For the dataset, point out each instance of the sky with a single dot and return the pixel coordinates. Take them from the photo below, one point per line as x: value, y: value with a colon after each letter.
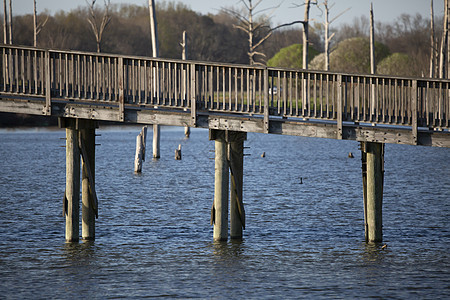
x: 384, y: 10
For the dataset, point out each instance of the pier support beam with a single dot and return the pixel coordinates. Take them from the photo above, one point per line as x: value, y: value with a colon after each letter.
x: 72, y: 194
x: 237, y: 212
x: 372, y: 156
x: 80, y: 143
x: 87, y: 139
x: 156, y: 141
x: 220, y: 208
x: 229, y: 152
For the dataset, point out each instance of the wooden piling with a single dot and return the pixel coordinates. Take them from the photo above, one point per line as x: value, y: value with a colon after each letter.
x: 237, y: 212
x: 373, y: 184
x: 140, y: 150
x: 178, y: 153
x: 220, y: 206
x: 88, y: 209
x: 156, y: 141
x: 229, y: 147
x: 72, y: 194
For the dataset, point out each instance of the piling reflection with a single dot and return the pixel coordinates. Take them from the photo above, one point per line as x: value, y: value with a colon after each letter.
x: 226, y: 250
x: 373, y: 252
x: 78, y: 253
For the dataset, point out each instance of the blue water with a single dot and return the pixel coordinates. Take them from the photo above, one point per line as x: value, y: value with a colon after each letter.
x: 153, y: 237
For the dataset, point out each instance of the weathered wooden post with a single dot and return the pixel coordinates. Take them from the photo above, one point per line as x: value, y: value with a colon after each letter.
x: 373, y: 178
x: 72, y: 193
x: 237, y: 212
x: 88, y: 197
x: 156, y: 141
x: 229, y: 149
x: 140, y: 150
x: 178, y: 153
x: 219, y: 212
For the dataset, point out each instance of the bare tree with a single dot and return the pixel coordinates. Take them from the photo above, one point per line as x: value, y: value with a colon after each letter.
x: 433, y: 47
x: 327, y: 32
x: 37, y: 27
x: 305, y: 34
x: 258, y: 31
x: 372, y: 57
x: 444, y: 43
x: 153, y: 28
x: 98, y: 29
x: 372, y: 42
x: 5, y: 23
x: 10, y: 23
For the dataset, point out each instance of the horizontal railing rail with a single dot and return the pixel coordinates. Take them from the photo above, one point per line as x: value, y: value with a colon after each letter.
x: 252, y: 90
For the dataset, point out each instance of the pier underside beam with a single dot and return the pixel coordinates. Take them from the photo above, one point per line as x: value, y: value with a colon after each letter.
x: 372, y: 156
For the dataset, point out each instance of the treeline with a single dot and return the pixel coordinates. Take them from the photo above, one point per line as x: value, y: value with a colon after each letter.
x: 209, y: 37
x: 213, y: 37
x: 406, y: 38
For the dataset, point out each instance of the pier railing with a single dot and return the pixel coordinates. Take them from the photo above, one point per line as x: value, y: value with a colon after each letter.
x: 251, y: 90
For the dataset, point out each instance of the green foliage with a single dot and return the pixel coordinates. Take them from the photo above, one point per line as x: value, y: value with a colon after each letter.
x: 353, y: 55
x: 291, y: 57
x: 398, y: 64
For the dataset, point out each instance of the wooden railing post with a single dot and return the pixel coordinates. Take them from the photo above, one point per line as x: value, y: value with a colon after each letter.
x: 193, y: 96
x: 414, y: 112
x: 266, y: 100
x: 339, y: 107
x: 121, y: 90
x: 48, y: 95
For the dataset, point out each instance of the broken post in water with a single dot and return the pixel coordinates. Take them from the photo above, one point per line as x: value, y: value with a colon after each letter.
x: 140, y: 150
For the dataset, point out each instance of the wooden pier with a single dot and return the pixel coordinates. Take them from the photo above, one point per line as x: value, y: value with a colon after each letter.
x: 230, y: 100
